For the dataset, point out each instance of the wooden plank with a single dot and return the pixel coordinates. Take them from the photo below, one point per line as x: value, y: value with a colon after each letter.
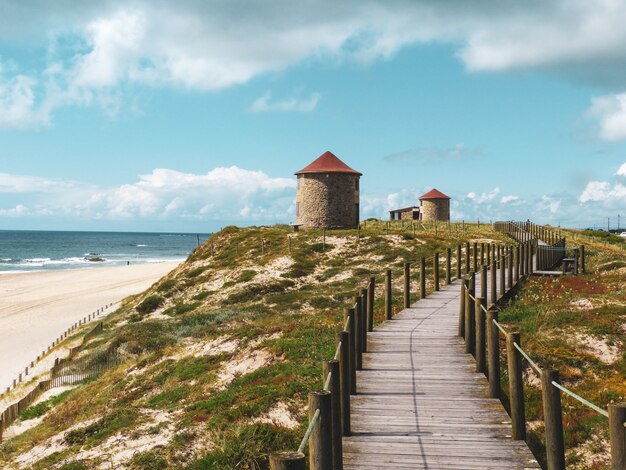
x: 421, y: 405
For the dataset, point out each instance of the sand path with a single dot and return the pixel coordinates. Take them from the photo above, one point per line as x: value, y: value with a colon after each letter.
x: 37, y: 307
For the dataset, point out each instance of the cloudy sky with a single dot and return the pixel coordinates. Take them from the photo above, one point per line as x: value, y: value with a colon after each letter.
x: 187, y: 116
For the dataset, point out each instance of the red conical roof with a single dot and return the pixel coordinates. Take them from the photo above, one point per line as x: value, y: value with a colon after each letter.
x: 434, y: 194
x: 328, y: 163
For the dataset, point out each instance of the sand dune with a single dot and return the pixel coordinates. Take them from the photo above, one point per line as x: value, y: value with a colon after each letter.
x: 37, y: 307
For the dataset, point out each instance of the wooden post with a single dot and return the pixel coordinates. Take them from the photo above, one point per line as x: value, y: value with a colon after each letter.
x: 321, y: 440
x: 344, y: 372
x: 488, y: 254
x: 617, y: 431
x: 516, y: 273
x: 332, y: 367
x: 352, y: 345
x: 475, y: 257
x: 493, y: 287
x: 483, y: 282
x: 370, y: 303
x: 467, y: 257
x: 510, y: 268
x: 436, y: 271
x: 407, y: 285
x: 470, y: 315
x: 423, y: 278
x: 553, y: 420
x: 358, y: 326
x: 493, y: 348
x: 464, y: 286
x: 388, y: 296
x: 458, y: 261
x: 582, y: 259
x: 502, y: 276
x: 516, y: 387
x: 480, y: 335
x: 287, y: 461
x: 448, y: 266
x: 364, y: 296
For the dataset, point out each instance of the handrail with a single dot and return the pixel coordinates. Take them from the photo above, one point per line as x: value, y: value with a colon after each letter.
x: 581, y: 399
x: 308, y: 432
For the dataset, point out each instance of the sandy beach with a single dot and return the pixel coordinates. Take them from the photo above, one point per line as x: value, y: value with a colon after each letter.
x: 36, y: 307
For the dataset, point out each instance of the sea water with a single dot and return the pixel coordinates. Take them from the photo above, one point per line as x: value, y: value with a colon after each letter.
x: 23, y: 250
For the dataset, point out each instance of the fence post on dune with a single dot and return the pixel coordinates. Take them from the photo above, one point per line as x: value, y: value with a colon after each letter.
x: 509, y: 267
x: 332, y: 368
x: 467, y: 257
x: 371, y: 289
x: 364, y: 295
x: 436, y: 271
x: 358, y: 336
x: 516, y: 387
x: 617, y: 431
x: 287, y: 461
x: 553, y: 417
x: 422, y: 277
x: 344, y: 372
x: 582, y: 259
x: 493, y: 340
x: 321, y: 440
x: 388, y: 296
x: 480, y: 335
x: 464, y: 285
x: 492, y: 285
x: 470, y: 320
x: 482, y: 254
x: 352, y: 347
x: 483, y: 282
x: 458, y: 261
x: 407, y: 285
x: 475, y: 246
x: 502, y: 276
x: 448, y: 266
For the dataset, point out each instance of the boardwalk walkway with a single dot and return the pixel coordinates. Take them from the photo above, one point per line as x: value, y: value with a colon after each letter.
x: 420, y: 403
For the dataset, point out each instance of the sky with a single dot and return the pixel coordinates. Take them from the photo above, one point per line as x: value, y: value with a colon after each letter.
x: 190, y: 116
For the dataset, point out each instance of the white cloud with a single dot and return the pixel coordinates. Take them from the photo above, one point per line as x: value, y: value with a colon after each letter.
x: 603, y: 191
x: 508, y: 199
x: 610, y: 110
x: 621, y: 171
x: 483, y: 197
x: 264, y: 103
x: 229, y: 193
x: 205, y: 46
x: 435, y: 154
x: 548, y: 204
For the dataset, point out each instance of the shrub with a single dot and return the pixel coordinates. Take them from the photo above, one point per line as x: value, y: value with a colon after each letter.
x: 149, y: 304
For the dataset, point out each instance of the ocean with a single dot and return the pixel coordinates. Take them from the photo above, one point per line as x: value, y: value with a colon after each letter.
x: 25, y: 250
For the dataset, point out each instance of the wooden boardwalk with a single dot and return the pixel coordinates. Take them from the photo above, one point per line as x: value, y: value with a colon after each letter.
x: 421, y: 405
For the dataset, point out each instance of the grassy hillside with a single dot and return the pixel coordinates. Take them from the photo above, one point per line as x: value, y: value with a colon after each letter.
x: 222, y: 352
x: 576, y: 325
x: 219, y: 355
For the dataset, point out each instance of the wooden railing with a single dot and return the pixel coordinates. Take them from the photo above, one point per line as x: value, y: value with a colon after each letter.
x: 329, y: 408
x: 58, y: 373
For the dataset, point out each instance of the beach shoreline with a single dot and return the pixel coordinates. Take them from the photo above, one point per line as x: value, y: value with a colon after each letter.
x: 37, y: 306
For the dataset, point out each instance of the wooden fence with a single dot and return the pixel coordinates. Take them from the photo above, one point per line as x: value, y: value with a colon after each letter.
x: 329, y: 408
x: 65, y: 371
x: 503, y: 268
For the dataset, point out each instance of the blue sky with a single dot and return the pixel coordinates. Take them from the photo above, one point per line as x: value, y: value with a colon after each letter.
x: 160, y: 116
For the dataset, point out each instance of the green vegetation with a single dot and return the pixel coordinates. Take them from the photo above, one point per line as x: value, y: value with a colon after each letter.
x: 576, y: 326
x: 150, y: 304
x: 248, y: 320
x: 43, y: 407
